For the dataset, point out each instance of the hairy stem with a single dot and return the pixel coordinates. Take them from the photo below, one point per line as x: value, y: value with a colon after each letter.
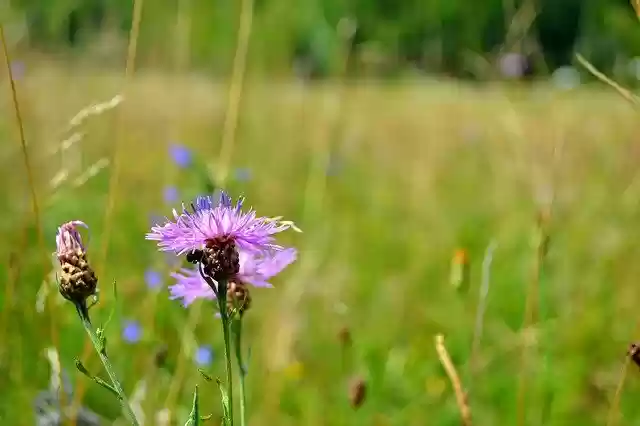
x: 226, y: 325
x: 237, y: 342
x: 102, y: 353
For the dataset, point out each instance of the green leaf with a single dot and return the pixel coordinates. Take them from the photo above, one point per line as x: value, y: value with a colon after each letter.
x: 81, y: 368
x: 207, y: 377
x: 194, y: 417
x: 225, y: 402
x: 114, y: 306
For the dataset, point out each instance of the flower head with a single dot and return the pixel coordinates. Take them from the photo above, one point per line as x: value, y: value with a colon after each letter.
x: 204, y: 355
x: 254, y: 270
x: 77, y: 280
x: 131, y: 331
x: 181, y: 155
x: 209, y: 223
x: 152, y: 278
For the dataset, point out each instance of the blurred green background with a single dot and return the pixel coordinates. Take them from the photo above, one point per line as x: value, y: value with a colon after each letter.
x: 395, y: 134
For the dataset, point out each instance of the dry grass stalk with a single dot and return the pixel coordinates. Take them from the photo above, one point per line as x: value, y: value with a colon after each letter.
x: 461, y: 396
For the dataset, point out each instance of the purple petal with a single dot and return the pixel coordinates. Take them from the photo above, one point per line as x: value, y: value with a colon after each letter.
x: 190, y: 230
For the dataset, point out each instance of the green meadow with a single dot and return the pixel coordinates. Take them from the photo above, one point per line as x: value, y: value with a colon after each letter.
x: 539, y: 186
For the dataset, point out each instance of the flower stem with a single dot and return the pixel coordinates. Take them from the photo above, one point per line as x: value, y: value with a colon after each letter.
x: 226, y: 324
x: 237, y: 334
x: 98, y: 344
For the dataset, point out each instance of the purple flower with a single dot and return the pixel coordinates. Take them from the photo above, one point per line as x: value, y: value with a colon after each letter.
x: 152, y: 278
x: 204, y: 356
x: 131, y: 331
x: 170, y: 194
x: 254, y: 269
x: 181, y: 155
x: 68, y: 239
x: 208, y: 221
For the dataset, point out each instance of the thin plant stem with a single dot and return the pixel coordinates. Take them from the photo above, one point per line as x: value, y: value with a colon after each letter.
x: 625, y: 93
x: 23, y: 140
x: 456, y: 383
x: 237, y: 342
x: 235, y: 91
x: 102, y: 353
x: 480, y: 312
x: 530, y: 316
x: 115, y: 170
x: 30, y: 178
x: 614, y: 409
x: 226, y: 328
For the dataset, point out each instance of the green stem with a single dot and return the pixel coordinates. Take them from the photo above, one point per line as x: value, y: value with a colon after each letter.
x: 102, y: 353
x: 222, y: 304
x: 237, y: 334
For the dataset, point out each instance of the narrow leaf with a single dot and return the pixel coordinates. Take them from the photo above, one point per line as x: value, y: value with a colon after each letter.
x: 225, y: 402
x: 207, y: 377
x: 81, y: 368
x: 194, y: 417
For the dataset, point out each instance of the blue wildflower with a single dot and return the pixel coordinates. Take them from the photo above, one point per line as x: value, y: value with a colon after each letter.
x: 204, y: 356
x: 170, y: 194
x: 131, y: 331
x: 153, y: 278
x: 181, y: 155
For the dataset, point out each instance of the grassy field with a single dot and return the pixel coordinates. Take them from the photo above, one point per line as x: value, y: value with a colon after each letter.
x: 387, y: 181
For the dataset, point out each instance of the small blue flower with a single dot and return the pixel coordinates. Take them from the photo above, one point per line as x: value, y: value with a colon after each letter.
x: 204, y: 356
x: 153, y: 278
x: 170, y: 194
x: 131, y: 331
x: 243, y: 174
x: 181, y: 155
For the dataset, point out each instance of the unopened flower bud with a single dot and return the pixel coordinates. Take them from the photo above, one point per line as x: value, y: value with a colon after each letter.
x: 634, y: 353
x: 77, y: 280
x: 357, y: 392
x: 344, y: 336
x: 238, y: 297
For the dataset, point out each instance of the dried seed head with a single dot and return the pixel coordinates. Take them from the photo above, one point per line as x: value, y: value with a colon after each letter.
x: 160, y: 358
x: 357, y: 392
x: 634, y: 353
x: 238, y: 297
x: 220, y: 259
x: 77, y: 280
x: 344, y: 336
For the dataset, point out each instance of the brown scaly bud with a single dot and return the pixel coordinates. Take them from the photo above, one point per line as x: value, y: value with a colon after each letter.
x: 634, y: 353
x: 160, y: 357
x: 344, y: 337
x: 357, y: 392
x: 238, y: 297
x: 220, y: 259
x: 77, y: 280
